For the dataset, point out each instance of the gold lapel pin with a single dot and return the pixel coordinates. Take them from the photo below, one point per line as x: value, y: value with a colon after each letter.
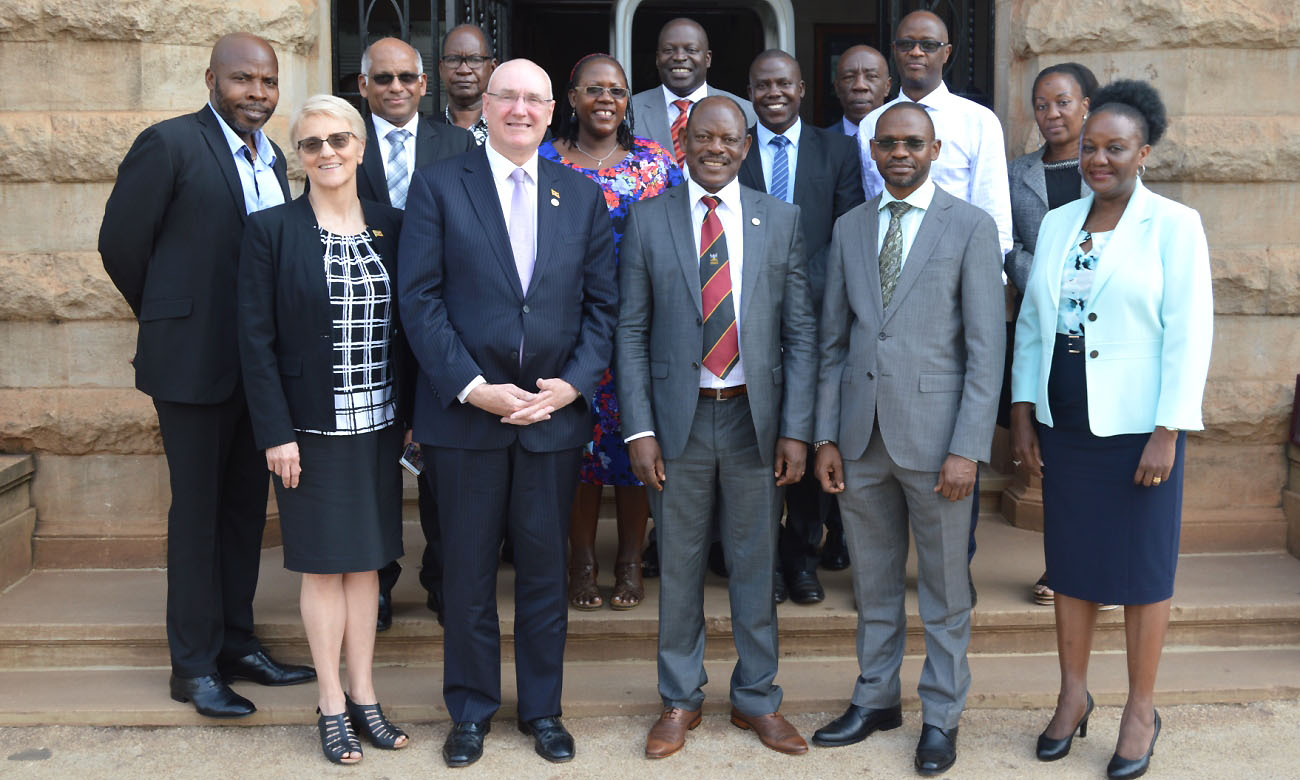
x: 378, y: 233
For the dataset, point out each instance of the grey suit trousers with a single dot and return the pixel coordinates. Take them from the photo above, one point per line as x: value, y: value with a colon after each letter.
x: 721, y: 470
x: 881, y: 501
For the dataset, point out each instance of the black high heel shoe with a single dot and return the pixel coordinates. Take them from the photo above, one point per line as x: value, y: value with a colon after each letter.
x: 369, y: 719
x: 1121, y: 768
x: 1054, y: 749
x: 337, y: 739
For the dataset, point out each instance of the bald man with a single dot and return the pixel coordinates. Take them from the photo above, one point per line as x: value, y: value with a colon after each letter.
x: 170, y: 243
x: 861, y: 83
x: 465, y: 67
x: 506, y: 277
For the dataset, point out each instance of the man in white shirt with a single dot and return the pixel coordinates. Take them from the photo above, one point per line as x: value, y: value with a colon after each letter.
x: 714, y: 355
x: 972, y: 164
x: 861, y: 84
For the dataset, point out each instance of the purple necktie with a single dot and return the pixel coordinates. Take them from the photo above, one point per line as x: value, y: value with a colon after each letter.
x: 521, y: 229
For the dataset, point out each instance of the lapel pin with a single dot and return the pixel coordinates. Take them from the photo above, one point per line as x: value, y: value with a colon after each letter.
x: 555, y: 201
x: 756, y: 221
x: 378, y: 233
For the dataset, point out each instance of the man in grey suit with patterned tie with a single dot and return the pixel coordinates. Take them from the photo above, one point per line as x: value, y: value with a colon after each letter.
x: 912, y: 346
x: 715, y: 359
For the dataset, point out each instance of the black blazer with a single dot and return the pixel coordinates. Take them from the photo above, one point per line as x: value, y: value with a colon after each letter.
x: 434, y: 140
x: 827, y: 183
x: 466, y: 312
x: 286, y: 329
x: 170, y: 241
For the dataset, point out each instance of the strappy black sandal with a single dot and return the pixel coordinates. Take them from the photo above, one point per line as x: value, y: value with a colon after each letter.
x: 337, y: 738
x: 378, y: 729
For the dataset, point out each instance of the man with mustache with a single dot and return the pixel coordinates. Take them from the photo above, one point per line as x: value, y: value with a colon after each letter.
x: 912, y: 346
x: 170, y: 243
x: 715, y: 358
x: 816, y: 170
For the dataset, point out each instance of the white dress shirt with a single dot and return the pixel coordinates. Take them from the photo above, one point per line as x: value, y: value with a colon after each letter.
x: 256, y: 177
x: 733, y: 229
x: 919, y: 200
x: 850, y: 128
x: 766, y: 151
x: 382, y: 128
x: 972, y: 162
x: 501, y: 170
x: 700, y: 93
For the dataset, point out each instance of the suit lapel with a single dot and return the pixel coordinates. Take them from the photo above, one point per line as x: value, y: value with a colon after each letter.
x: 753, y: 214
x: 548, y: 216
x: 869, y: 238
x: 933, y: 224
x: 372, y: 164
x: 307, y: 257
x: 216, y: 141
x: 482, y: 192
x: 1125, y: 236
x: 679, y: 207
x: 1035, y: 177
x: 426, y: 142
x: 656, y: 119
x: 751, y: 168
x: 281, y: 169
x: 809, y: 163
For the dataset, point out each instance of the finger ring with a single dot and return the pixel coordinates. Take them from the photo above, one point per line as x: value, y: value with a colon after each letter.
x: 1015, y: 463
x: 1155, y: 480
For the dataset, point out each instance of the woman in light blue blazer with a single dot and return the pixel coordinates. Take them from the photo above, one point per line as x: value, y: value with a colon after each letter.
x: 1112, y: 351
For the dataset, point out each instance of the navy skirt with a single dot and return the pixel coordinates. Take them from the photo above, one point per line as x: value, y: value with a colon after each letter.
x: 1105, y: 539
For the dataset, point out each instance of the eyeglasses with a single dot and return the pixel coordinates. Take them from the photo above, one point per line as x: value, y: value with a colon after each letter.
x: 912, y: 144
x: 384, y: 79
x: 337, y: 141
x: 904, y: 45
x: 454, y: 61
x: 595, y: 91
x: 533, y: 100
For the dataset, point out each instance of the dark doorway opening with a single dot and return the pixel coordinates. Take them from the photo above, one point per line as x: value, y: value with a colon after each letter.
x: 556, y: 35
x: 735, y: 38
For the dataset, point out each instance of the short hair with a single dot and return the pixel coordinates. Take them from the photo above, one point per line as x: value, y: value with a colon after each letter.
x: 487, y: 42
x: 327, y: 105
x: 1082, y: 76
x: 365, y: 60
x: 744, y: 121
x: 907, y: 105
x: 1137, y: 100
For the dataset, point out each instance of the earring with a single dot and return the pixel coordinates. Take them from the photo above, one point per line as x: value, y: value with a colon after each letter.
x: 573, y: 115
x: 1142, y: 170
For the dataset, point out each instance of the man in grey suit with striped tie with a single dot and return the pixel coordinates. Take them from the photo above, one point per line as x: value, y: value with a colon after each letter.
x: 715, y: 358
x: 912, y: 347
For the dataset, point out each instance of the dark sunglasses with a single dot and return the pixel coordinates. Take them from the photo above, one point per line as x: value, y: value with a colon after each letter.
x: 338, y: 141
x: 912, y: 144
x: 904, y: 45
x: 454, y: 61
x: 384, y: 79
x: 595, y: 91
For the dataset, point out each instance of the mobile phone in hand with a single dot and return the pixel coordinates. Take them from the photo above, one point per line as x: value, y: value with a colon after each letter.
x: 412, y: 459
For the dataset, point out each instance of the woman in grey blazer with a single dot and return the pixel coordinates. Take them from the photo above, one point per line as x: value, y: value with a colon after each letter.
x: 1044, y: 179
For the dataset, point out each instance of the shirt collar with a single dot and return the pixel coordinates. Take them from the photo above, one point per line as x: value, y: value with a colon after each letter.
x: 729, y: 194
x: 446, y: 112
x: 850, y: 128
x: 265, y: 152
x: 791, y: 134
x: 502, y: 168
x: 383, y: 127
x: 700, y: 93
x: 934, y: 99
x: 919, y: 199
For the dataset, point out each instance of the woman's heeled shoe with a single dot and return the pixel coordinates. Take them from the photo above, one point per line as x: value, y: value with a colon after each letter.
x: 337, y: 739
x: 1054, y: 749
x: 1121, y: 768
x: 371, y: 721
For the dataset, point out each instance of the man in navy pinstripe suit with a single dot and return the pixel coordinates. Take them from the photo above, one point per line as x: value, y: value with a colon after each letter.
x: 507, y: 285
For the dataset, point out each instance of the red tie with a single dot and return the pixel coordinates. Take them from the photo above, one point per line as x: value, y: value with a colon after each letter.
x: 683, y: 108
x: 721, y: 341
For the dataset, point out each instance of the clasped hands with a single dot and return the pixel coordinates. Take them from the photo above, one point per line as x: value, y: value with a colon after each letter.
x: 648, y: 462
x: 517, y: 406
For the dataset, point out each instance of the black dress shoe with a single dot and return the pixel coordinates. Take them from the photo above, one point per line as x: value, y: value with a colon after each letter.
x: 835, y: 554
x: 650, y: 560
x: 434, y: 603
x: 805, y: 588
x: 1054, y: 749
x: 551, y: 740
x: 717, y: 560
x: 1128, y: 768
x: 464, y: 744
x: 385, y: 619
x: 211, y: 696
x: 856, y: 724
x: 936, y: 751
x: 264, y: 670
x: 779, y: 593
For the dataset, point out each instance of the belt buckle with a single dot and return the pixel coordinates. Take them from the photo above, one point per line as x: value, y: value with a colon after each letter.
x: 717, y: 393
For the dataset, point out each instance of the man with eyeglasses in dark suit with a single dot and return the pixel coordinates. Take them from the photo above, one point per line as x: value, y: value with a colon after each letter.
x: 465, y: 67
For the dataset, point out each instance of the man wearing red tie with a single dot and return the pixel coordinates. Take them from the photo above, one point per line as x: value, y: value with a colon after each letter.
x: 715, y: 354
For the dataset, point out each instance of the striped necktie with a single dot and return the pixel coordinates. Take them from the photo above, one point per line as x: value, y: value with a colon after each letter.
x: 683, y: 109
x: 398, y: 179
x: 780, y: 168
x: 721, y: 339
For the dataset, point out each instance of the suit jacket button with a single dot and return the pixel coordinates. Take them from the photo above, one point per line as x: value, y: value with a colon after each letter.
x: 699, y: 321
x: 514, y: 355
x: 1092, y: 317
x: 870, y: 375
x: 695, y: 365
x: 1093, y: 354
x: 881, y: 336
x: 525, y: 308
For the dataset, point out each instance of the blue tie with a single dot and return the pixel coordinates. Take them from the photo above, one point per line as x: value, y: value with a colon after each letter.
x: 780, y: 169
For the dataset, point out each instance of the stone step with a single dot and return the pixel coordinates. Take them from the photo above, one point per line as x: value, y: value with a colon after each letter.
x: 138, y: 697
x: 74, y: 619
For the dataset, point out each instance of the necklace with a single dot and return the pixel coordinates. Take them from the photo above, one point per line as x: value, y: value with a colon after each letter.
x: 600, y: 161
x: 1060, y: 165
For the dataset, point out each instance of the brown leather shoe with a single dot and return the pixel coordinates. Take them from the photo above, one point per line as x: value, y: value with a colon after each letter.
x: 668, y: 734
x: 773, y: 729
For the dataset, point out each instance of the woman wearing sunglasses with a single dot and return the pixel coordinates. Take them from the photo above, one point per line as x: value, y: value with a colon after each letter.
x: 324, y: 370
x: 594, y: 137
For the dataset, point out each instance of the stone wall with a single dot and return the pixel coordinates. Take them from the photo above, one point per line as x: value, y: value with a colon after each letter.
x: 1230, y: 76
x: 78, y: 80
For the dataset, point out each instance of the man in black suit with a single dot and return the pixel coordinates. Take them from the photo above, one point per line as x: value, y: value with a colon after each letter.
x: 818, y: 171
x: 170, y: 242
x: 507, y: 287
x: 398, y: 141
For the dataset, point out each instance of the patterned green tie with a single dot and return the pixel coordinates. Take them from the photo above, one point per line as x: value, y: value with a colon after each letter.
x: 891, y: 254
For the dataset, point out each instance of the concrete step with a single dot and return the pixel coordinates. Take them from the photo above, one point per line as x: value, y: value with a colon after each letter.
x: 74, y: 619
x: 138, y: 697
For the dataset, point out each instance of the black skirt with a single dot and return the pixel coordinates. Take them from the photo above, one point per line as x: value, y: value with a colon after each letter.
x: 1105, y: 539
x: 346, y: 513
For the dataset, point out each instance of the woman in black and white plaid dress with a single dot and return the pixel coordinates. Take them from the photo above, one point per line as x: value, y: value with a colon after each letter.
x: 324, y: 368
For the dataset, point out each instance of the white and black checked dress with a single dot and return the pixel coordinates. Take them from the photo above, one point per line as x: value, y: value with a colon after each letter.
x: 346, y: 513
